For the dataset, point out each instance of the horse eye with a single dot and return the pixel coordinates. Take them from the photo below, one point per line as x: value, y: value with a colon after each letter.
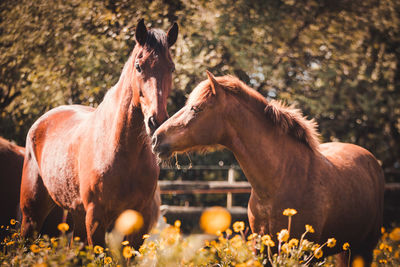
x: 195, y: 109
x: 137, y: 66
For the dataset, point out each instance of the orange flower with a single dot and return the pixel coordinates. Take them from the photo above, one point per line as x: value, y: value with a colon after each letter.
x: 289, y: 212
x: 128, y: 222
x: 238, y: 226
x: 215, y: 219
x: 35, y: 248
x: 127, y: 252
x: 63, y: 227
x: 98, y: 249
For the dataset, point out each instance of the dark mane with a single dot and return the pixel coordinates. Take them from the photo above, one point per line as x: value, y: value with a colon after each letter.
x: 289, y: 119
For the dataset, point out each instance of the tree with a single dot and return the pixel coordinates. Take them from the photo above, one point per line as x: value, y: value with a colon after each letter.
x: 337, y: 61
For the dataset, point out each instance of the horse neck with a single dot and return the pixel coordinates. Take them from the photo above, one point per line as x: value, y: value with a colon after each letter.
x: 267, y: 157
x: 119, y: 118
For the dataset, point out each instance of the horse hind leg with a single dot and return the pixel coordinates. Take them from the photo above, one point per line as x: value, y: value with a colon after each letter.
x: 79, y: 226
x: 95, y: 228
x: 35, y: 202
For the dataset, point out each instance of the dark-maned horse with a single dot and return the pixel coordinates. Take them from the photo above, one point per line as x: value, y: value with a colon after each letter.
x: 97, y: 163
x: 11, y: 162
x: 336, y: 187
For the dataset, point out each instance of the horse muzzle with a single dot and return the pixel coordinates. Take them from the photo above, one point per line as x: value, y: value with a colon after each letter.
x: 162, y: 150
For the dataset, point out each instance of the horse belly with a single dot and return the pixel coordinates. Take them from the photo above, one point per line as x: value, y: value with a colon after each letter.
x: 59, y: 175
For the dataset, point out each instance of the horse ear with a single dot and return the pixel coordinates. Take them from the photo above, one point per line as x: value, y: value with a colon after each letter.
x: 172, y: 34
x: 213, y: 82
x: 141, y: 32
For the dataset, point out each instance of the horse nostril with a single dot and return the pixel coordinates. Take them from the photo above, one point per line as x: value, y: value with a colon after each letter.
x: 152, y: 123
x: 154, y: 141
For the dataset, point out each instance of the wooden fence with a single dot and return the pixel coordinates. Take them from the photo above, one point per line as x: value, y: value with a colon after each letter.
x: 229, y: 187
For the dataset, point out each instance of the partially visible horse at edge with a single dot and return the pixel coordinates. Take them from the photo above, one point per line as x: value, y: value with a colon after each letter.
x: 11, y: 163
x: 335, y: 187
x: 96, y: 163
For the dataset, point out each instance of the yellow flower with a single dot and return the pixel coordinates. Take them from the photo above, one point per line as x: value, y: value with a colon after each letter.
x: 35, y: 248
x: 265, y: 238
x: 177, y: 223
x: 98, y: 249
x: 395, y: 234
x: 269, y: 243
x: 214, y: 219
x: 77, y: 238
x: 318, y: 253
x: 236, y: 241
x: 63, y: 227
x: 40, y: 265
x: 293, y: 242
x: 309, y: 228
x: 13, y: 221
x: 385, y: 247
x: 283, y: 235
x: 228, y: 231
x: 315, y: 247
x: 305, y: 243
x: 289, y: 212
x: 127, y: 252
x: 383, y: 230
x: 238, y: 226
x: 376, y: 252
x: 14, y: 235
x: 128, y: 222
x: 146, y: 236
x: 252, y: 236
x: 285, y: 248
x: 107, y: 260
x: 10, y: 243
x: 42, y: 244
x: 331, y: 242
x: 358, y: 262
x: 126, y: 242
x: 346, y: 246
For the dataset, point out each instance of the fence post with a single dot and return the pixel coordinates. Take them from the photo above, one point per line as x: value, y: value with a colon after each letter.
x: 231, y: 180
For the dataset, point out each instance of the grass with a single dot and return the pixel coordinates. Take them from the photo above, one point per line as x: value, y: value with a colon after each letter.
x: 168, y: 247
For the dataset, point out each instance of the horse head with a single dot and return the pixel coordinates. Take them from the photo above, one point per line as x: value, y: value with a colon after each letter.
x: 152, y: 72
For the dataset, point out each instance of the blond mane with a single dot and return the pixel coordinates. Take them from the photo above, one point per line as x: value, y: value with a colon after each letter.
x: 289, y: 119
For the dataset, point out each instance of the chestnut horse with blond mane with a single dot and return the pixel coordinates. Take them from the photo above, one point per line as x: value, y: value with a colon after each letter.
x: 335, y: 187
x: 96, y: 163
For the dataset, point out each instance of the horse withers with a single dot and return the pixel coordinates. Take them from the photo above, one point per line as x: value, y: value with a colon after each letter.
x: 97, y: 163
x: 335, y: 187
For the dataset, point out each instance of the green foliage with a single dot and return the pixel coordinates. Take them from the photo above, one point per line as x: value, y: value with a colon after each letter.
x: 337, y: 61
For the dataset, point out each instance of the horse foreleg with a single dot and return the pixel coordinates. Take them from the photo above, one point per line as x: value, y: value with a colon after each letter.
x: 95, y: 228
x: 35, y: 202
x: 150, y: 218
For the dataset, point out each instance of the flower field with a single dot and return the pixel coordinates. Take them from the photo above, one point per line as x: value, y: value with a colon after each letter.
x: 167, y: 246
